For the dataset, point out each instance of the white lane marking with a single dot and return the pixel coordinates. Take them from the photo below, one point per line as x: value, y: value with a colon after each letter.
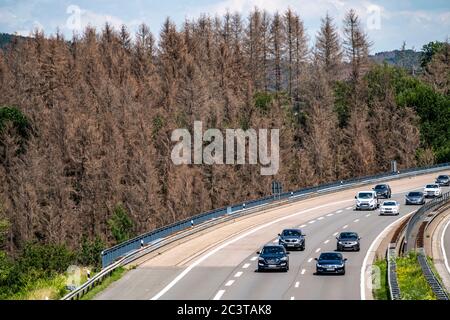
x: 330, y: 214
x: 348, y: 208
x: 339, y: 211
x: 303, y: 271
x: 238, y: 274
x: 345, y: 227
x: 229, y: 283
x: 443, y: 246
x: 312, y: 221
x: 326, y: 241
x: 245, y: 266
x: 321, y: 218
x: 297, y: 284
x: 236, y: 239
x: 368, y: 215
x: 318, y: 249
x: 292, y: 298
x: 356, y: 220
x: 335, y: 234
x: 219, y: 295
x: 253, y: 258
x: 303, y: 225
x: 275, y: 241
x: 310, y: 259
x: 362, y: 283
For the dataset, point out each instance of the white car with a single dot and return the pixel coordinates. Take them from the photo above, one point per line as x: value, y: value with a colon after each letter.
x: 390, y: 207
x: 432, y: 190
x: 366, y: 200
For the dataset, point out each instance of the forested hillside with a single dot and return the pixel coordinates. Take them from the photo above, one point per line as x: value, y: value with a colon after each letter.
x: 85, y: 125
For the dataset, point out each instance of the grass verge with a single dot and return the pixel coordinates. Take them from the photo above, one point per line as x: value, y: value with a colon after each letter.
x: 381, y: 290
x: 115, y: 275
x: 412, y: 283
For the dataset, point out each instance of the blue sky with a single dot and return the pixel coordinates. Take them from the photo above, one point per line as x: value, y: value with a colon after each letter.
x: 388, y: 23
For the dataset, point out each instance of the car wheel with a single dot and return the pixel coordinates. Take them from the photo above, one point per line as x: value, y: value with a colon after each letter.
x: 343, y: 272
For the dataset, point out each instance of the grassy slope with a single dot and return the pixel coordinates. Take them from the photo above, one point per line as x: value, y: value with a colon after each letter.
x: 413, y: 285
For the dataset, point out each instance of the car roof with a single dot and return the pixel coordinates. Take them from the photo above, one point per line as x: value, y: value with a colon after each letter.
x: 368, y: 191
x: 331, y: 252
x: 387, y: 201
x: 344, y: 232
x: 273, y: 245
x: 292, y: 229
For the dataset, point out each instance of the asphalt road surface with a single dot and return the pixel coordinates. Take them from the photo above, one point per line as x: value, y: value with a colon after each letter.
x: 222, y: 263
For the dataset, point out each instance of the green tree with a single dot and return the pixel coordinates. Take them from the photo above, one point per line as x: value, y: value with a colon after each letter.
x: 90, y: 252
x: 120, y: 224
x: 429, y: 50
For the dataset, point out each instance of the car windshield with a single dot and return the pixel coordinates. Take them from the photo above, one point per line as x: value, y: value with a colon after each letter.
x: 431, y: 186
x: 443, y: 177
x: 415, y: 194
x: 291, y: 233
x: 330, y: 256
x: 273, y: 250
x: 380, y: 187
x: 365, y: 195
x: 348, y: 235
x: 389, y: 203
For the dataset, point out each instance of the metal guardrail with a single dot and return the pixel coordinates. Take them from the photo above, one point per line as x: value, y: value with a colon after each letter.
x: 410, y: 236
x: 112, y: 254
x: 431, y: 278
x: 394, y: 289
x: 415, y: 242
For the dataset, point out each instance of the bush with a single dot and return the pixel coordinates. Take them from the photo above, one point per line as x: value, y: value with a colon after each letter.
x: 262, y: 101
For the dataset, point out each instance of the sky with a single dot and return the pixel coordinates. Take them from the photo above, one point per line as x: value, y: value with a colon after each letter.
x: 388, y: 23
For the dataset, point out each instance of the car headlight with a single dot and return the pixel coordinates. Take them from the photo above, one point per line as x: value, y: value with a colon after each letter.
x: 358, y: 202
x: 283, y: 259
x: 340, y: 242
x: 260, y: 259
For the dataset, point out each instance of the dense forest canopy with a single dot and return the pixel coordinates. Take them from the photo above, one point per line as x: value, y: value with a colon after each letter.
x: 85, y: 125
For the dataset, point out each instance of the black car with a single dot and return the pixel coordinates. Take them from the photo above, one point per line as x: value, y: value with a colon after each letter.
x: 348, y: 241
x: 292, y: 239
x: 330, y: 262
x: 383, y: 191
x: 273, y: 257
x: 443, y: 180
x: 415, y: 197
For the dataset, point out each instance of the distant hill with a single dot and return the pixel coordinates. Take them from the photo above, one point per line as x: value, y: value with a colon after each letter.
x: 408, y: 59
x: 6, y: 38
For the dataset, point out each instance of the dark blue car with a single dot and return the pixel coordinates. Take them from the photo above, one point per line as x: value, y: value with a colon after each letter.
x: 330, y: 262
x: 273, y: 257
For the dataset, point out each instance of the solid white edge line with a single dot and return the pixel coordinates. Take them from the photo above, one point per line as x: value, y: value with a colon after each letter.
x: 362, y: 282
x: 443, y: 247
x: 219, y: 295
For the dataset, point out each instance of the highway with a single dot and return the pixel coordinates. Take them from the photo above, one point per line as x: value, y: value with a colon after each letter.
x: 221, y: 264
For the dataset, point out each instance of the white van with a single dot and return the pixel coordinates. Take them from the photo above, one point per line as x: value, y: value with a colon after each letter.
x: 366, y: 200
